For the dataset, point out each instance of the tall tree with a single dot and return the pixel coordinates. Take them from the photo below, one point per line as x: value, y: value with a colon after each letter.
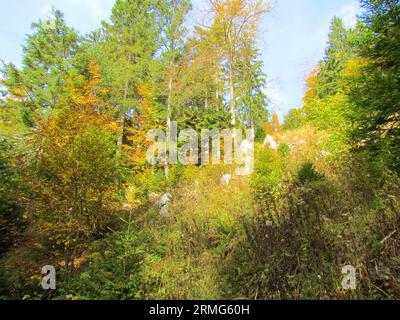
x: 172, y: 18
x: 337, y: 53
x: 131, y: 42
x: 375, y: 87
x: 202, y: 80
x: 235, y: 23
x: 252, y: 100
x: 173, y: 15
x: 42, y: 82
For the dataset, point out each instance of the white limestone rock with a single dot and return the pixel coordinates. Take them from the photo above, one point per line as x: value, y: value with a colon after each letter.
x: 270, y: 141
x: 247, y: 149
x: 163, y: 204
x: 226, y: 179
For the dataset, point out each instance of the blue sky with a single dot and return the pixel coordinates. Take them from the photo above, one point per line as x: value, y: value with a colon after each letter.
x: 296, y: 32
x: 292, y: 39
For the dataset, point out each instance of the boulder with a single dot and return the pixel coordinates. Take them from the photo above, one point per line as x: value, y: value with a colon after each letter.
x: 270, y: 141
x: 163, y: 204
x: 247, y: 150
x: 226, y: 179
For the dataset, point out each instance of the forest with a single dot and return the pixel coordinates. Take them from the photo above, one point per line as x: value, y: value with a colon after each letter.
x: 77, y: 193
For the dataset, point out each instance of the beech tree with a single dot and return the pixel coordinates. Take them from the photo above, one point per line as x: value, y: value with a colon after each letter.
x: 236, y: 22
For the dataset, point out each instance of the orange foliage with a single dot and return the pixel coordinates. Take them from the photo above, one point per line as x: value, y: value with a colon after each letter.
x: 312, y: 80
x: 273, y: 126
x: 88, y: 95
x: 143, y: 120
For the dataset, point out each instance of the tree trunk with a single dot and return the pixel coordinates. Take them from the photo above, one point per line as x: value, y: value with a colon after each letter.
x: 122, y: 122
x: 253, y: 128
x: 121, y: 134
x: 169, y: 113
x: 232, y: 93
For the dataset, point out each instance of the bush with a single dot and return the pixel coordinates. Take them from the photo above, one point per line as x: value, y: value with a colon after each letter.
x: 285, y: 252
x: 114, y: 270
x: 297, y: 244
x: 268, y: 174
x: 204, y: 119
x: 307, y: 174
x: 12, y: 221
x: 176, y: 175
x: 284, y: 150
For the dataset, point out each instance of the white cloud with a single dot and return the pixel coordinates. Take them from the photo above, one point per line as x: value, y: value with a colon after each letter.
x: 278, y: 99
x: 349, y: 15
x: 96, y: 8
x: 46, y: 10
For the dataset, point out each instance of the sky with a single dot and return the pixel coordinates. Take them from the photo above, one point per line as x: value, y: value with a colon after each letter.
x: 292, y: 39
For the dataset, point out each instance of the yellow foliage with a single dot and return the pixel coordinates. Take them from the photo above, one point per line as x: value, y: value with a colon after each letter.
x: 354, y: 67
x: 273, y: 126
x: 312, y: 80
x: 144, y: 119
x: 88, y: 95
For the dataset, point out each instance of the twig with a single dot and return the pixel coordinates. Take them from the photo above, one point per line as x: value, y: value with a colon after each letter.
x: 388, y: 237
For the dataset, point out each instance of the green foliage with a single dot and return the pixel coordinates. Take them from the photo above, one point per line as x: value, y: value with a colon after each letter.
x: 77, y: 114
x: 12, y: 219
x: 204, y: 119
x: 296, y: 260
x: 308, y: 174
x: 134, y: 24
x: 310, y: 238
x: 176, y: 175
x: 375, y: 87
x: 337, y: 53
x: 115, y: 268
x: 252, y: 100
x: 42, y: 83
x: 284, y: 150
x: 268, y: 174
x: 327, y: 107
x: 294, y: 119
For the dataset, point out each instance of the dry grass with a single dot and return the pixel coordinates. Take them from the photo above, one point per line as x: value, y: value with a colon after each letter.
x: 204, y: 218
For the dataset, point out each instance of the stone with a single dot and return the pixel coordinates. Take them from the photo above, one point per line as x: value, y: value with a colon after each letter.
x: 153, y: 197
x: 325, y: 154
x: 270, y: 141
x: 226, y: 179
x: 163, y: 203
x: 245, y: 146
x: 247, y: 155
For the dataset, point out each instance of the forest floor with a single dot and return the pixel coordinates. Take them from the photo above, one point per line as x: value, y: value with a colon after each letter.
x: 204, y: 226
x: 203, y: 222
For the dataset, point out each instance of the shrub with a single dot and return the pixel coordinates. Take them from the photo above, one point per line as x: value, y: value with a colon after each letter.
x: 307, y: 174
x: 284, y: 149
x: 12, y: 221
x: 176, y: 175
x: 268, y: 174
x: 114, y: 270
x: 297, y: 244
x: 285, y: 252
